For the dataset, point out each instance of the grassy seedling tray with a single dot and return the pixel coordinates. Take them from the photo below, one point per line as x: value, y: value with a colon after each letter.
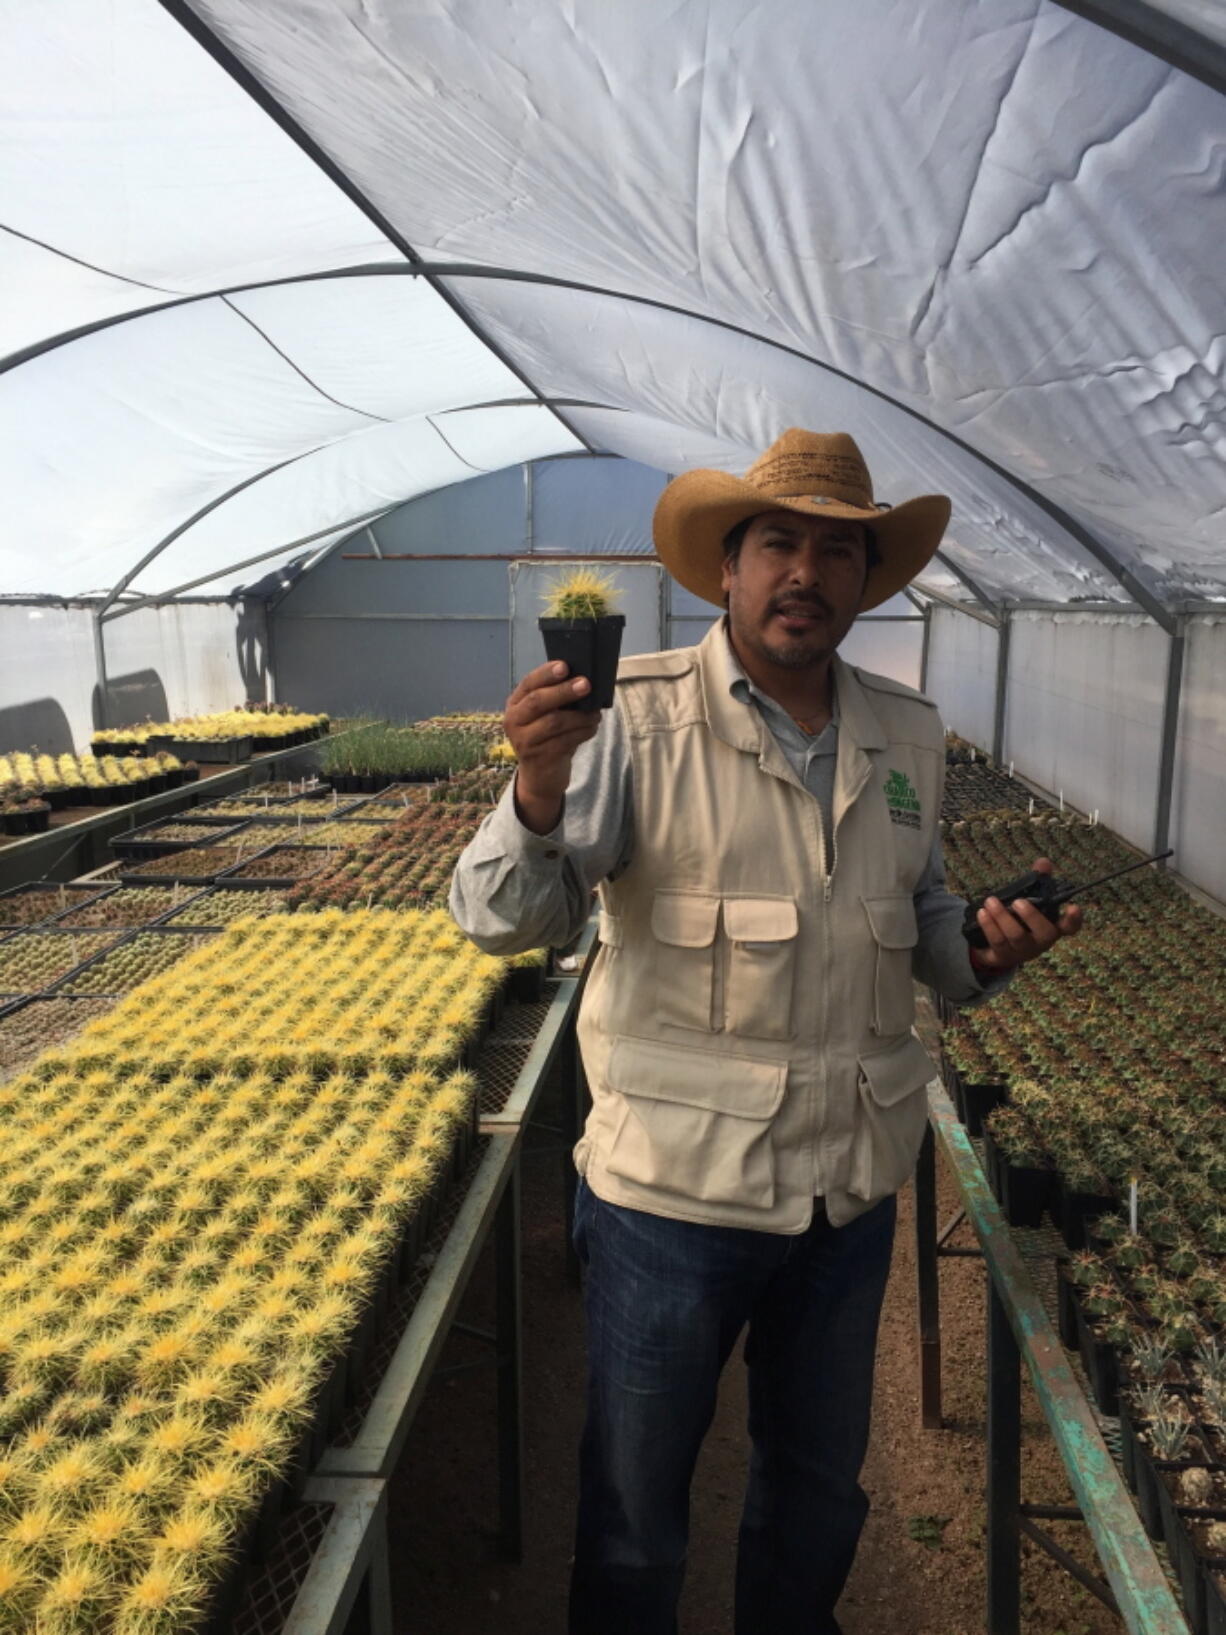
x: 43, y: 902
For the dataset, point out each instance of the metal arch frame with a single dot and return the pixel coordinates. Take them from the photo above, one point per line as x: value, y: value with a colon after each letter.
x: 263, y: 98
x: 219, y: 500
x: 1158, y: 30
x: 437, y: 272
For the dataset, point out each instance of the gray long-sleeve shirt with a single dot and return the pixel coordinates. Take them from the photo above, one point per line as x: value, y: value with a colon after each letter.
x: 513, y: 889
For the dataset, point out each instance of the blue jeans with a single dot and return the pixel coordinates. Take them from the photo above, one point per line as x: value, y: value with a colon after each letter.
x: 665, y: 1301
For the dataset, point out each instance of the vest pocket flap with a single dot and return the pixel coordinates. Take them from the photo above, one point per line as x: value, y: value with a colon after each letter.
x: 685, y: 919
x: 893, y: 920
x: 743, y: 1086
x: 760, y: 919
x: 609, y: 929
x: 897, y: 1072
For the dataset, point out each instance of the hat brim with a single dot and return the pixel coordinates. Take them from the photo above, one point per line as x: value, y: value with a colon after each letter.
x: 697, y: 509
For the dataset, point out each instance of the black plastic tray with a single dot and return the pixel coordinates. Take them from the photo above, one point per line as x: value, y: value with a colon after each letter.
x: 54, y: 991
x: 83, y: 894
x: 232, y: 880
x: 65, y: 931
x: 143, y: 843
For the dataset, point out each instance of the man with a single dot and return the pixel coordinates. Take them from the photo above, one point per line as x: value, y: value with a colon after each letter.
x: 762, y: 822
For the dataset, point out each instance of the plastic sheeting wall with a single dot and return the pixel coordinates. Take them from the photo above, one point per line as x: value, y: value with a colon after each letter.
x: 1198, y: 828
x: 177, y: 660
x: 398, y: 639
x: 962, y: 673
x: 1085, y: 712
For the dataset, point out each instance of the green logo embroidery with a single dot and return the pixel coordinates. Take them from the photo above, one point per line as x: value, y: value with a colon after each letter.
x: 902, y: 800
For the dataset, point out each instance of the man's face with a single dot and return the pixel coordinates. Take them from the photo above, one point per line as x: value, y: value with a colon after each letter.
x: 795, y: 587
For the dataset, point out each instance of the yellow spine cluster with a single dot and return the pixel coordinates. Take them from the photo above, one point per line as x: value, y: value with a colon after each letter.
x: 196, y: 1201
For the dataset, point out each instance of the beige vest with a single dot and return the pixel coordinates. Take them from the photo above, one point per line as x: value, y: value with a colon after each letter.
x: 746, y: 1028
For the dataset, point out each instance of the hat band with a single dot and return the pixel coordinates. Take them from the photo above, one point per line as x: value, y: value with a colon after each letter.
x: 789, y: 475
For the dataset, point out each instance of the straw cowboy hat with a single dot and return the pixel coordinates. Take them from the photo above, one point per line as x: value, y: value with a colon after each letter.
x: 816, y: 474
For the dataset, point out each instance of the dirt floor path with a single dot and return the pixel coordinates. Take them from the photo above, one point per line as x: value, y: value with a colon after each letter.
x: 446, y: 1575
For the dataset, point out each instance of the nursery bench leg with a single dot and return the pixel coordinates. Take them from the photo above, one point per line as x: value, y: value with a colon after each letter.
x: 510, y: 1371
x: 1004, y: 1471
x: 928, y: 1284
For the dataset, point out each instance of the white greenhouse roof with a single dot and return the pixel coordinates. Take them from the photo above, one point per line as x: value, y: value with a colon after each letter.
x: 271, y: 269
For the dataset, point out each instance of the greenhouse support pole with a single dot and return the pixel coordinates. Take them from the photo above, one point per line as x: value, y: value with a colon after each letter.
x: 1170, y: 733
x: 529, y: 506
x: 925, y: 646
x: 104, y: 714
x: 1002, y: 686
x: 1004, y: 1469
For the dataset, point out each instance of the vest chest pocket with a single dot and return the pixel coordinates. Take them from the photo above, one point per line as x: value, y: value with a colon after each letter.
x: 896, y: 933
x: 761, y: 966
x: 683, y: 924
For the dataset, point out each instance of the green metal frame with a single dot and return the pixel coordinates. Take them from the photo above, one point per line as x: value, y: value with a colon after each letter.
x: 351, y: 1562
x: 1019, y: 1328
x: 559, y: 1019
x: 491, y: 1204
x: 74, y: 849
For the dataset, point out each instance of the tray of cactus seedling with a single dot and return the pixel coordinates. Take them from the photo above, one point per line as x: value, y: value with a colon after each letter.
x: 219, y: 1361
x: 127, y: 907
x: 139, y: 956
x: 218, y: 907
x: 32, y: 961
x: 31, y: 905
x: 30, y: 1026
x: 277, y: 866
x: 172, y: 835
x: 199, y: 866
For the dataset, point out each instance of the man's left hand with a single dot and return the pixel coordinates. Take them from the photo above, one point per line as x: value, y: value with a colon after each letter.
x: 1021, y: 933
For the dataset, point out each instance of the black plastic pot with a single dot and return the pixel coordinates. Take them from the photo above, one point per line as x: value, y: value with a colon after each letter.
x: 1213, y: 1576
x: 1101, y: 1364
x: 1024, y: 1192
x: 589, y: 647
x: 978, y: 1100
x: 1066, y: 1308
x: 1076, y: 1212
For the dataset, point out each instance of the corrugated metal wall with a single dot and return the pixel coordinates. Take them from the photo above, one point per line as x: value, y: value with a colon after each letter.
x: 181, y: 659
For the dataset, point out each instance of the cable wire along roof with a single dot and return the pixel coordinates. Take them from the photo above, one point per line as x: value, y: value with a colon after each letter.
x: 274, y: 268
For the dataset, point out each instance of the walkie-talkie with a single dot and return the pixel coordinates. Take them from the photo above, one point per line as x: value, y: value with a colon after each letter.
x: 1043, y: 890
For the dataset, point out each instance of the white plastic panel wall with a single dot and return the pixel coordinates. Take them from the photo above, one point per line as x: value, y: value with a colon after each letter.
x: 177, y: 660
x: 1085, y: 712
x: 1198, y: 820
x: 962, y: 673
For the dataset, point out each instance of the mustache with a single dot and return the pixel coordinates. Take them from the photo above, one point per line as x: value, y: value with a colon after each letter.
x: 801, y: 604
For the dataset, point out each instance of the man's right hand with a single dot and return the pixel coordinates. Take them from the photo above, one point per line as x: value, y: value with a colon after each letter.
x: 545, y: 737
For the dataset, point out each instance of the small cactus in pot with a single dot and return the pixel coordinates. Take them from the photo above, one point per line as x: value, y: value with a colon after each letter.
x: 579, y: 625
